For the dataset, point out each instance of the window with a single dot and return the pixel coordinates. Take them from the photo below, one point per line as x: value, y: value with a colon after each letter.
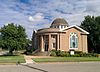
x: 62, y: 26
x: 73, y: 40
x: 57, y: 26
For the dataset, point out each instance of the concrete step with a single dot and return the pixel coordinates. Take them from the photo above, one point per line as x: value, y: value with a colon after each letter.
x: 42, y: 54
x: 29, y: 61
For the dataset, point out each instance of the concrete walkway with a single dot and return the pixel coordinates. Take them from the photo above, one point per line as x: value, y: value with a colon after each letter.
x: 28, y: 58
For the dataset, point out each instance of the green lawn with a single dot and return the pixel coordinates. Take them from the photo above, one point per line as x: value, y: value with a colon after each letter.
x: 11, y: 59
x: 66, y: 59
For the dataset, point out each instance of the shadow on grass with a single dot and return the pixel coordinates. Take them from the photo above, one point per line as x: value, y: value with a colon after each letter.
x: 34, y: 68
x: 8, y: 55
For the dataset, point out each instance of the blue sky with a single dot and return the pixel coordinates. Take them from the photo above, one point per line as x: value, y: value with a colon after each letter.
x: 36, y: 14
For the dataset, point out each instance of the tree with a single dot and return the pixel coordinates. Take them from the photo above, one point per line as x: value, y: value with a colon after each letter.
x: 92, y: 25
x: 13, y: 37
x: 97, y: 19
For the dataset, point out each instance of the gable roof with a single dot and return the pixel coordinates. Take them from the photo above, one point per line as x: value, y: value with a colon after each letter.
x: 75, y: 27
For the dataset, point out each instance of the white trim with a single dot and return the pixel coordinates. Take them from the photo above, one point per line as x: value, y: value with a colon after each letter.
x: 62, y: 50
x: 72, y: 48
x: 76, y: 27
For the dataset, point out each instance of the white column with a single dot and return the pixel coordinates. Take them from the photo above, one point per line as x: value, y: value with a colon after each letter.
x: 57, y: 41
x: 42, y: 46
x: 50, y: 42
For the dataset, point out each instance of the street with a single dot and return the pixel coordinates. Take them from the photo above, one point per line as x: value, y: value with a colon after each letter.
x: 53, y: 67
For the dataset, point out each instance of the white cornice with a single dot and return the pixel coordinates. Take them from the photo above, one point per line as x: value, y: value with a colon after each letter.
x: 75, y: 27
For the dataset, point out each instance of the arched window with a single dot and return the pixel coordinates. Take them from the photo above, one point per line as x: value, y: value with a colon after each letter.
x: 73, y: 40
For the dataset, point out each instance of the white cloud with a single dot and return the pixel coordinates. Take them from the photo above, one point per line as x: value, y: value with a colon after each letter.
x: 31, y: 18
x: 40, y: 13
x: 37, y: 17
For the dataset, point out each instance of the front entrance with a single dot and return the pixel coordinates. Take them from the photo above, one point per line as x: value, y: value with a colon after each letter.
x: 46, y: 47
x: 46, y: 42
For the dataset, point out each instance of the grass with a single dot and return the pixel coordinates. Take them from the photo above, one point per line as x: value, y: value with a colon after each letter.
x: 66, y: 59
x: 11, y: 59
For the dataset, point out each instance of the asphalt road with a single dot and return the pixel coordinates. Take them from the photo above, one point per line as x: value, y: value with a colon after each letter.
x: 53, y: 67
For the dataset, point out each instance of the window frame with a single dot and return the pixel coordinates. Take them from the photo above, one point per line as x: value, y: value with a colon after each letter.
x: 76, y: 40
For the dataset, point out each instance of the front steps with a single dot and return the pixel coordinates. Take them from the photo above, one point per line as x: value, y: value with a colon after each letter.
x: 42, y: 53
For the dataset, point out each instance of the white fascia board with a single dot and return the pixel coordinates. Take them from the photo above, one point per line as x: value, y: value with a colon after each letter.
x: 76, y: 27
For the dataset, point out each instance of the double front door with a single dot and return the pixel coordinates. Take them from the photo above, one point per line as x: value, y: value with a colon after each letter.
x: 46, y: 42
x: 46, y: 46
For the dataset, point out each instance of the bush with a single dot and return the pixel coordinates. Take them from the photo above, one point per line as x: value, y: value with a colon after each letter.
x: 75, y: 55
x: 53, y: 50
x: 63, y: 54
x: 58, y: 53
x: 67, y: 54
x: 89, y: 55
x: 78, y: 52
x: 53, y: 54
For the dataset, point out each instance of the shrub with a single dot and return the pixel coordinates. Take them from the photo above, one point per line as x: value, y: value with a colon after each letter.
x: 75, y: 55
x: 67, y: 54
x: 78, y: 52
x: 53, y: 53
x: 89, y: 55
x: 54, y: 50
x: 63, y: 54
x: 58, y: 53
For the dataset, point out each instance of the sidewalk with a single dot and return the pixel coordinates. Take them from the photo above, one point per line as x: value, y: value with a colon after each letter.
x: 28, y: 59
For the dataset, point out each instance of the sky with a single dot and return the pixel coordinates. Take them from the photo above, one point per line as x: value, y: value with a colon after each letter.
x: 37, y: 14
